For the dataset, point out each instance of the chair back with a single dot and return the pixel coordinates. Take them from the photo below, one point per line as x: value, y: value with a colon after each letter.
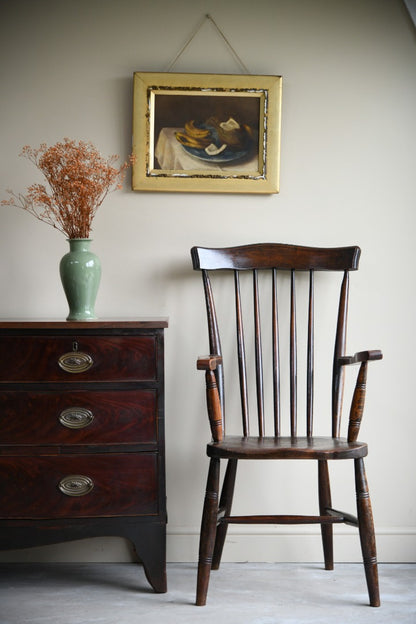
x: 276, y: 290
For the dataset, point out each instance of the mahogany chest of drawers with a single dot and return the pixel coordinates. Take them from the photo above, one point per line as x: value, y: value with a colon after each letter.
x: 82, y: 435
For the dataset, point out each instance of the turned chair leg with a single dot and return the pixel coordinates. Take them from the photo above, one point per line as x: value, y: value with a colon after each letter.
x: 366, y: 528
x: 226, y: 502
x: 324, y: 504
x: 208, y: 531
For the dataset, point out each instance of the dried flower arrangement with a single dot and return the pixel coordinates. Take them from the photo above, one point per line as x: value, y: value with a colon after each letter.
x: 79, y: 180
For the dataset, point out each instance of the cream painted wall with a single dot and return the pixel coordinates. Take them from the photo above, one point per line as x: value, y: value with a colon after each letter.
x: 347, y: 177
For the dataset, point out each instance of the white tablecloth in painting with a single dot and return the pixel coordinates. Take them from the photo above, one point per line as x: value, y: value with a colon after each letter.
x: 172, y: 156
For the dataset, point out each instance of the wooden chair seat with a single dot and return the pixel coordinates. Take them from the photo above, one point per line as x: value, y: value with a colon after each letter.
x: 240, y: 447
x: 256, y: 369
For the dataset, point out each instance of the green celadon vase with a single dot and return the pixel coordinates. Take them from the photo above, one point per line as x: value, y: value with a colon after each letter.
x: 80, y: 271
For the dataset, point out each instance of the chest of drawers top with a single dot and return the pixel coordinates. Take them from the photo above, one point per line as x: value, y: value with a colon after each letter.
x: 145, y: 322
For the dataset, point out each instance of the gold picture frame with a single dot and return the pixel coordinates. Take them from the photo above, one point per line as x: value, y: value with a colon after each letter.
x: 217, y: 133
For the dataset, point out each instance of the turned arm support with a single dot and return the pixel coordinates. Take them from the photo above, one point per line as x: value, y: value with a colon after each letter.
x: 209, y: 363
x: 358, y: 399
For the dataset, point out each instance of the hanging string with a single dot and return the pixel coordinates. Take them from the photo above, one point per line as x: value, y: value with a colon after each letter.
x: 193, y: 35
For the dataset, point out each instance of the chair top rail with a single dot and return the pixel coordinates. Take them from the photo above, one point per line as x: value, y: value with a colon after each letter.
x: 276, y: 255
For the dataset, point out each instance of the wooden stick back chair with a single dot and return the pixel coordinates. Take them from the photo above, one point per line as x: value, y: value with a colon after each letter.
x: 292, y: 264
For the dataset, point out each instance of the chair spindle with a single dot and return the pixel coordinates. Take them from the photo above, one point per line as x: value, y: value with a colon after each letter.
x: 276, y: 356
x: 310, y: 362
x: 293, y: 358
x: 241, y: 355
x: 338, y: 370
x: 258, y: 352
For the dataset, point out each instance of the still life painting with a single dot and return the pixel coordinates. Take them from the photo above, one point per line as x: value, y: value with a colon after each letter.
x: 206, y: 132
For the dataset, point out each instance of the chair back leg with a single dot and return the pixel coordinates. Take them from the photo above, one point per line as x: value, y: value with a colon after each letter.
x: 324, y: 504
x: 226, y: 502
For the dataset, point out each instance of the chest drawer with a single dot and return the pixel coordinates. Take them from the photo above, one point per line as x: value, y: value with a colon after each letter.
x: 87, y: 358
x: 78, y: 486
x: 78, y: 417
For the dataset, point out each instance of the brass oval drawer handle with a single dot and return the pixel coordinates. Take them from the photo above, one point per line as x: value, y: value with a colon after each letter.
x: 76, y: 485
x: 76, y: 417
x: 75, y: 362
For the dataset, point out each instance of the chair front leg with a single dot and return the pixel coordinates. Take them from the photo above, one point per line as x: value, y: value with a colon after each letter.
x: 324, y: 504
x: 366, y: 528
x: 208, y: 531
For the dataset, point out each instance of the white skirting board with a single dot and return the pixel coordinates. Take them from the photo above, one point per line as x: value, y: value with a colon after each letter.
x: 291, y: 544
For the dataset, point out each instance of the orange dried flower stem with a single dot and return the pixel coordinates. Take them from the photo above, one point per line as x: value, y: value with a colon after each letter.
x: 79, y: 180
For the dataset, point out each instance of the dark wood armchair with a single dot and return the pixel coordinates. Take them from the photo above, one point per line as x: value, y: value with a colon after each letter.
x: 275, y: 270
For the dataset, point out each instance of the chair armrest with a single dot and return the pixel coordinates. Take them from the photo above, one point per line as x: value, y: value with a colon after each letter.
x: 208, y: 362
x: 360, y: 356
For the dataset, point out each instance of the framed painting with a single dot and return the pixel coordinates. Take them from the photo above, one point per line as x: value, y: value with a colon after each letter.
x: 206, y: 133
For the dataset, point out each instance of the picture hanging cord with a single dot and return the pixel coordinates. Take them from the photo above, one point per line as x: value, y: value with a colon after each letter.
x: 195, y: 32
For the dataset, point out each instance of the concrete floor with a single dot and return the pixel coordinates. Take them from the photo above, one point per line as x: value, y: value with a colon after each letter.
x: 244, y: 593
